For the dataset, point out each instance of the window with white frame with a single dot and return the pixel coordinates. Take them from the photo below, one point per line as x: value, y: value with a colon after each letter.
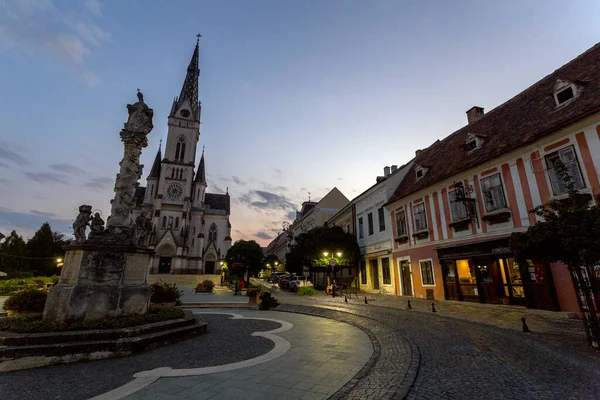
x: 427, y: 277
x: 381, y: 212
x: 568, y: 158
x: 370, y: 222
x: 458, y: 209
x: 420, y: 217
x: 361, y: 232
x: 564, y: 92
x: 401, y: 223
x: 493, y: 193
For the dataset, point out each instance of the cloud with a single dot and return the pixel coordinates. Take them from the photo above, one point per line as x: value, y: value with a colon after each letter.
x: 10, y: 155
x: 58, y: 29
x: 340, y: 179
x: 43, y: 214
x: 46, y: 177
x: 263, y: 200
x: 4, y: 180
x: 263, y: 235
x: 3, y: 165
x: 217, y: 189
x: 99, y: 184
x: 291, y: 215
x: 20, y: 220
x: 238, y: 181
x: 67, y: 168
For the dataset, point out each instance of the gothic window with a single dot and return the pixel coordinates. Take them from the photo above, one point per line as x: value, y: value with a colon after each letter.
x: 177, y: 150
x: 182, y: 152
x: 180, y: 148
x: 212, y: 233
x: 172, y: 172
x: 176, y: 222
x: 164, y: 221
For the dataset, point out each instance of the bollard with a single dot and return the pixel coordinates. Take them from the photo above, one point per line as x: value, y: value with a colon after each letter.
x: 409, y: 305
x: 433, y: 307
x: 525, y: 327
x: 366, y: 302
x: 345, y: 299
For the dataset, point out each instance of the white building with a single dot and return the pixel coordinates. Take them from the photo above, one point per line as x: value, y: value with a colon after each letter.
x: 191, y: 229
x: 315, y: 214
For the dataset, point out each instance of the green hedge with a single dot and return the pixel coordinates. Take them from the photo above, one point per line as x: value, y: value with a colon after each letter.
x: 307, y: 291
x: 163, y: 292
x: 33, y: 323
x: 31, y: 300
x: 10, y: 286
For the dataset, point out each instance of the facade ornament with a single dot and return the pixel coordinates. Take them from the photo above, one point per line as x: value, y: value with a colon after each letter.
x: 81, y: 223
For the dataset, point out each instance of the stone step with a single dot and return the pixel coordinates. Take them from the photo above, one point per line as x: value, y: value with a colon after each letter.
x: 218, y: 305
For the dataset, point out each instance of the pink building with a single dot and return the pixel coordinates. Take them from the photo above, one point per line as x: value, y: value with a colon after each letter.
x: 456, y: 208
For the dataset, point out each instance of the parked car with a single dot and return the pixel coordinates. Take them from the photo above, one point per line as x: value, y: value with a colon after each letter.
x: 274, y: 278
x: 299, y: 281
x: 284, y: 282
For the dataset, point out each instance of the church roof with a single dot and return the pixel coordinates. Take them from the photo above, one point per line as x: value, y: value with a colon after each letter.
x: 189, y: 89
x: 140, y: 192
x: 201, y: 173
x: 155, y: 171
x: 215, y: 201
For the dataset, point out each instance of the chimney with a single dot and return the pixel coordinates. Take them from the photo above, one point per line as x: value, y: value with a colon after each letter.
x: 386, y: 171
x: 474, y: 114
x: 418, y: 152
x: 394, y: 168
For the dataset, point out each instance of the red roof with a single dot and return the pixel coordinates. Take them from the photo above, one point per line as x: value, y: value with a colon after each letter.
x: 523, y: 119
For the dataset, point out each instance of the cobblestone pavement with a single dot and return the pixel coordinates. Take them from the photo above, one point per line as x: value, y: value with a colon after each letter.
x: 459, y: 359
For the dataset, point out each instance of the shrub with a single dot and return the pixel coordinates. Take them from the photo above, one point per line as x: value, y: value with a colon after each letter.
x: 10, y: 286
x: 163, y: 292
x: 267, y: 301
x: 205, y: 286
x: 307, y: 291
x: 33, y: 323
x: 30, y: 300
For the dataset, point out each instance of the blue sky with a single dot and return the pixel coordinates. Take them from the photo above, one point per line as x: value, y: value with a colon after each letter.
x: 298, y: 96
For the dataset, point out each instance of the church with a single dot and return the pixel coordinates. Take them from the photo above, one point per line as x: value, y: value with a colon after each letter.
x: 191, y: 229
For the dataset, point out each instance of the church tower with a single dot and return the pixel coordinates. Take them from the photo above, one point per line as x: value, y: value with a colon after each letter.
x: 191, y: 229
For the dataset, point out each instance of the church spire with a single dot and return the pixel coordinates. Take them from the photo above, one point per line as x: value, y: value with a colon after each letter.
x: 189, y: 89
x: 201, y: 174
x: 155, y: 171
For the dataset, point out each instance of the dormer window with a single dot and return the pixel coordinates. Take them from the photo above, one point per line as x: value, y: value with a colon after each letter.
x: 564, y: 92
x: 474, y: 141
x: 419, y: 173
x: 471, y: 145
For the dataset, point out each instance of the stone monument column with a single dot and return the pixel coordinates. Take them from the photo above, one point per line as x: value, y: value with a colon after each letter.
x: 104, y: 275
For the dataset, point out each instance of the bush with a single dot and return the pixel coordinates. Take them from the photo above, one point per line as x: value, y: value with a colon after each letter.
x: 30, y: 300
x: 33, y: 323
x: 10, y: 286
x: 307, y: 291
x: 267, y: 301
x: 205, y: 286
x: 163, y: 292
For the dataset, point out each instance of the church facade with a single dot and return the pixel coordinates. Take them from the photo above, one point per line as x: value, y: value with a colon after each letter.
x: 191, y: 229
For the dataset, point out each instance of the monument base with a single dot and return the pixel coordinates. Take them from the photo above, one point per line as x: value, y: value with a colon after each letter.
x: 100, y: 281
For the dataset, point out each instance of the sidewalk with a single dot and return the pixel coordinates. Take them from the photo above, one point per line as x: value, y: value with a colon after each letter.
x: 221, y: 297
x: 556, y: 324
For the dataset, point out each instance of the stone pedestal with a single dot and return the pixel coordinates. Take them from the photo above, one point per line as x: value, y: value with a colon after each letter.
x: 100, y: 281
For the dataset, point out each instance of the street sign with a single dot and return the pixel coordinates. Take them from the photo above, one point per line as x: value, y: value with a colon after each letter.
x: 305, y: 271
x: 332, y: 263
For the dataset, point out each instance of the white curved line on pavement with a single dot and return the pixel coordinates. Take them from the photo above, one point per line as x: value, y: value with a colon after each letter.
x: 145, y: 378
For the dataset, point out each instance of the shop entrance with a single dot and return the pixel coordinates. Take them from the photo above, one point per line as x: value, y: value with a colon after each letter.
x: 164, y: 265
x: 375, y: 274
x: 405, y: 275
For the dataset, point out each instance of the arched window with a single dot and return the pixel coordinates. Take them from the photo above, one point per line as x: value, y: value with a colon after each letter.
x: 180, y: 173
x: 164, y: 221
x: 182, y: 152
x: 212, y: 233
x: 176, y: 222
x: 177, y: 150
x: 172, y: 172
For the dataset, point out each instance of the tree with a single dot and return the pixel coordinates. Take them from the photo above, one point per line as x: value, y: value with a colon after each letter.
x: 12, y: 253
x: 310, y: 247
x: 272, y: 262
x: 569, y: 233
x: 43, y: 250
x: 244, y: 253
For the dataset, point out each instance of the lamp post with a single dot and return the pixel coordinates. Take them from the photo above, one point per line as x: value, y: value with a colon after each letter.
x: 333, y: 263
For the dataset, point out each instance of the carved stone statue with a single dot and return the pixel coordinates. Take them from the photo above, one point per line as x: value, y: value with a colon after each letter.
x: 81, y: 222
x: 142, y: 229
x: 97, y: 225
x: 140, y: 116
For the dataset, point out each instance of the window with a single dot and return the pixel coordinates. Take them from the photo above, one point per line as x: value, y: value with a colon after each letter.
x: 471, y: 145
x: 565, y: 95
x: 381, y: 220
x: 419, y: 173
x: 493, y: 193
x: 420, y: 217
x: 568, y: 158
x: 401, y: 223
x: 385, y: 268
x: 427, y: 272
x: 361, y: 233
x: 370, y: 221
x: 164, y: 221
x: 176, y: 222
x: 363, y: 272
x: 177, y: 150
x: 458, y: 209
x: 212, y: 233
x: 182, y: 155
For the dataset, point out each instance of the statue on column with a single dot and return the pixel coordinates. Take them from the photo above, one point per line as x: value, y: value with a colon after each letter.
x: 81, y: 223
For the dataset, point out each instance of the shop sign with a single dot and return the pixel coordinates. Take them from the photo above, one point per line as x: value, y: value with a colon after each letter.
x: 502, y: 250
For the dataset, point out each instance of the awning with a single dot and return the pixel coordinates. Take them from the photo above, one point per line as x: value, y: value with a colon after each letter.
x: 498, y: 246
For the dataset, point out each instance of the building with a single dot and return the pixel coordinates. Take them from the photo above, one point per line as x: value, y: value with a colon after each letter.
x: 366, y: 218
x: 314, y: 214
x: 191, y: 230
x: 466, y: 194
x: 279, y: 247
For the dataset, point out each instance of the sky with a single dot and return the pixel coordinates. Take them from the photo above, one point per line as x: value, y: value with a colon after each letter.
x: 297, y: 96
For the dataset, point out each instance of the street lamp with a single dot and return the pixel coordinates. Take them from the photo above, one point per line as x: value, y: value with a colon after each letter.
x: 332, y: 263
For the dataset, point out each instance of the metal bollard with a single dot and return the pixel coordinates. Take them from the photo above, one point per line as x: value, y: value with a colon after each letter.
x: 345, y: 299
x: 366, y: 302
x: 433, y: 307
x: 525, y: 327
x: 409, y: 305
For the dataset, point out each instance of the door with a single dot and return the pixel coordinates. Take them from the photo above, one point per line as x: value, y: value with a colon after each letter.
x: 164, y: 265
x: 405, y: 275
x: 450, y: 280
x: 209, y: 267
x: 512, y: 281
x: 375, y: 274
x: 489, y: 280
